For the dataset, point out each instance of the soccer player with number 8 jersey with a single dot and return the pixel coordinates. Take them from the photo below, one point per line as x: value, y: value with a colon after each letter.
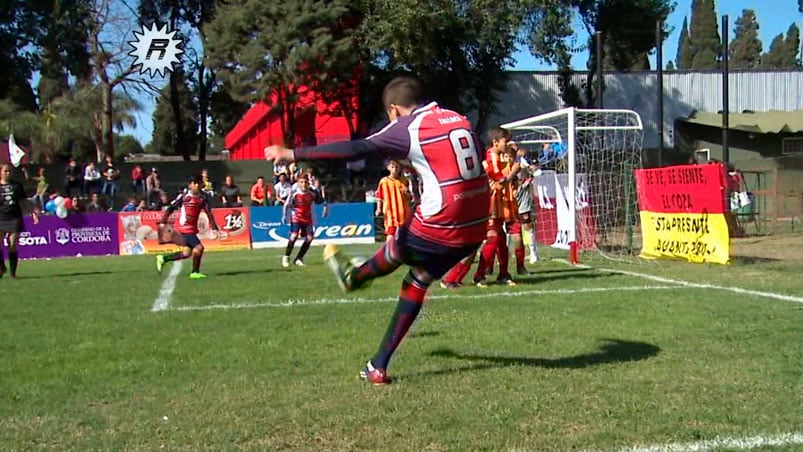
x: 448, y: 224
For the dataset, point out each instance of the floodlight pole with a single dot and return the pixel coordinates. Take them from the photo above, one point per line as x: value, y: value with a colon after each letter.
x: 725, y: 93
x: 659, y: 63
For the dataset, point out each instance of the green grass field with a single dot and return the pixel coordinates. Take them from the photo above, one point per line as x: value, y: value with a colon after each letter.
x: 105, y: 354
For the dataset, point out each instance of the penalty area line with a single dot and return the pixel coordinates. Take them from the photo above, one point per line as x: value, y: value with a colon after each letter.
x: 162, y: 301
x: 335, y: 301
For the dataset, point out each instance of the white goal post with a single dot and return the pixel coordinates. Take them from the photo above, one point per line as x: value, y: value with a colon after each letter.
x: 585, y: 193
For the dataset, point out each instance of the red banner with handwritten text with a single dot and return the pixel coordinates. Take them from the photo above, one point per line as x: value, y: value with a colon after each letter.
x: 682, y: 211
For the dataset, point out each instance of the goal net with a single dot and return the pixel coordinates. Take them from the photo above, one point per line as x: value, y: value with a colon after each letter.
x: 584, y: 195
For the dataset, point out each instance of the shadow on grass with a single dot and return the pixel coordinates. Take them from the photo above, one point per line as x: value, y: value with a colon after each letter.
x: 748, y: 260
x: 260, y: 271
x: 538, y: 277
x: 69, y: 275
x: 425, y: 334
x: 612, y: 351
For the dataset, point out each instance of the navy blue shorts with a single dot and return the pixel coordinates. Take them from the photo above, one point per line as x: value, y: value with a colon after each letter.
x: 433, y: 257
x: 303, y: 230
x: 190, y: 240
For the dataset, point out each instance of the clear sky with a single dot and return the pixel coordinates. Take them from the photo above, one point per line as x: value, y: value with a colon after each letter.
x: 773, y: 16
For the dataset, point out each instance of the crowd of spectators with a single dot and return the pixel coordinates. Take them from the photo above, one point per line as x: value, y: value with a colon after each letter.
x: 94, y: 188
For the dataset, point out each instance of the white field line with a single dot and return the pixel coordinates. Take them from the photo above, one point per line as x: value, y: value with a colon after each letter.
x: 752, y: 442
x: 661, y: 279
x: 322, y: 301
x: 162, y: 301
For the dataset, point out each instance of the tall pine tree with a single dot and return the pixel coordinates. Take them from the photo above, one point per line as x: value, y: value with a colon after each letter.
x: 165, y: 138
x: 783, y: 51
x: 744, y: 51
x: 705, y: 38
x: 792, y: 44
x: 684, y: 54
x: 774, y: 57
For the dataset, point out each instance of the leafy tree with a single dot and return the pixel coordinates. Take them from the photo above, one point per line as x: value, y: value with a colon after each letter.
x: 191, y: 16
x: 77, y: 115
x: 745, y: 48
x: 165, y: 138
x: 228, y: 111
x: 775, y: 57
x: 783, y: 51
x: 670, y: 66
x: 704, y: 32
x: 127, y: 145
x: 627, y: 41
x: 549, y: 35
x: 792, y: 43
x: 272, y: 51
x: 684, y: 54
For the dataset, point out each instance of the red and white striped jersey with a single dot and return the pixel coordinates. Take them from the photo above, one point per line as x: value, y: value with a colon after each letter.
x: 447, y: 156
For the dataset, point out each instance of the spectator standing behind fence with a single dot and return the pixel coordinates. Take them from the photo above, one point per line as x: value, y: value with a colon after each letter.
x: 283, y: 189
x: 41, y: 196
x: 153, y: 184
x: 111, y: 181
x: 261, y: 194
x: 91, y: 179
x: 208, y: 185
x: 230, y: 194
x: 278, y: 170
x: 73, y: 179
x: 138, y: 180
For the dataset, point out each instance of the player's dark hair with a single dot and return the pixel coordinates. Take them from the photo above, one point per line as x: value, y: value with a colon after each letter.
x: 404, y: 91
x: 197, y: 179
x: 497, y: 133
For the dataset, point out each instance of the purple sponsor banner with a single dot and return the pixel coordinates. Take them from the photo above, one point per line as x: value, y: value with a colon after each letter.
x: 92, y: 234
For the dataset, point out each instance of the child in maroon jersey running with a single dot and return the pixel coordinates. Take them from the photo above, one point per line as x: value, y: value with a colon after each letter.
x: 298, y: 210
x: 449, y: 222
x: 185, y: 230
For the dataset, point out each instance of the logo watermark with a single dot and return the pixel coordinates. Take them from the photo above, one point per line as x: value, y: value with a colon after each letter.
x: 156, y: 50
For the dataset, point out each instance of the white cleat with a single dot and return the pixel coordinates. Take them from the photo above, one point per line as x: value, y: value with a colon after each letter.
x: 533, y: 258
x: 298, y: 262
x: 285, y: 261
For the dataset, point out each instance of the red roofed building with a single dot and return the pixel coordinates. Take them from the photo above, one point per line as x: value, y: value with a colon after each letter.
x: 314, y: 124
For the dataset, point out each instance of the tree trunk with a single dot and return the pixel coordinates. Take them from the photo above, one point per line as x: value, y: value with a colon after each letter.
x: 108, y: 123
x: 178, y: 120
x: 203, y: 107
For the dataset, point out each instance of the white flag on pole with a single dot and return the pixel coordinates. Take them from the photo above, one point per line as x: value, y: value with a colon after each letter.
x: 14, y: 152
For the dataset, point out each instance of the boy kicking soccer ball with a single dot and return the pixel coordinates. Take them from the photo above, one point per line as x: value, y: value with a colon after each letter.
x: 184, y: 233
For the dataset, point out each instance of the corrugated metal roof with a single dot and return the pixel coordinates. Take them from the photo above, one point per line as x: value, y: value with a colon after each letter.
x: 533, y: 93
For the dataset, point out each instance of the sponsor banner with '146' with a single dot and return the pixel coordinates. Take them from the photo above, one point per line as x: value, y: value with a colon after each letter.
x: 346, y: 223
x: 139, y: 231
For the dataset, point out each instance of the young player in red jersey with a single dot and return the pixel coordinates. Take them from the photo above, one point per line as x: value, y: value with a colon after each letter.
x: 298, y: 210
x: 184, y: 232
x: 449, y: 222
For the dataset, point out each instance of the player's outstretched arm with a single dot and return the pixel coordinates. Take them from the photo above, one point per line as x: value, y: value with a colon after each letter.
x: 340, y: 150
